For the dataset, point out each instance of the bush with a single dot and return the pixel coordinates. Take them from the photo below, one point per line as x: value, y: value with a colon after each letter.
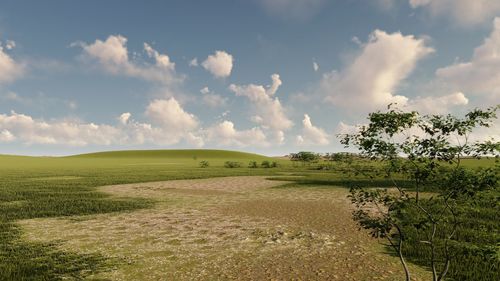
x: 252, y: 164
x: 204, y: 164
x: 232, y: 164
x: 267, y: 164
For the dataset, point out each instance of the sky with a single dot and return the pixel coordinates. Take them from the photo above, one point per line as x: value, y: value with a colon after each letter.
x: 264, y: 76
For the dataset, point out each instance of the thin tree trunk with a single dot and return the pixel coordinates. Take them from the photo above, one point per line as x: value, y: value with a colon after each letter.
x: 433, y: 254
x: 400, y: 253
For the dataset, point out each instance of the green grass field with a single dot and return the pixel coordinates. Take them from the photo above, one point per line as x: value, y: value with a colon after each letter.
x: 47, y: 187
x: 34, y: 187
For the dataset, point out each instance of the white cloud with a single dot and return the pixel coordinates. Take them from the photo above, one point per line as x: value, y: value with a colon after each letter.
x: 193, y: 62
x: 211, y: 99
x: 112, y: 55
x: 370, y: 80
x: 169, y: 115
x: 6, y: 136
x: 312, y: 135
x: 219, y: 64
x: 124, y: 117
x: 30, y: 131
x: 480, y: 75
x: 27, y: 130
x: 9, y: 44
x: 205, y: 90
x: 273, y: 88
x: 162, y: 60
x: 356, y: 41
x: 293, y: 9
x: 439, y: 104
x: 10, y: 69
x: 224, y: 134
x: 315, y: 66
x: 464, y: 12
x: 344, y: 128
x: 269, y: 112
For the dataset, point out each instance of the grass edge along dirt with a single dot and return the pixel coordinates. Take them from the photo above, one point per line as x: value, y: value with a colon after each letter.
x: 34, y: 187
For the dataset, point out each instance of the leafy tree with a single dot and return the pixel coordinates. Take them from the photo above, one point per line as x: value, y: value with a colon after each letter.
x: 305, y: 157
x: 265, y: 164
x: 204, y: 164
x: 340, y: 158
x: 252, y: 164
x: 426, y: 151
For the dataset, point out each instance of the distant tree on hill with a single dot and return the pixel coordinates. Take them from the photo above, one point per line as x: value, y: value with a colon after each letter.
x: 305, y: 157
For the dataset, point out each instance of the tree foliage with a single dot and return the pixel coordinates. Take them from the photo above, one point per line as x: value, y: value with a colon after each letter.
x: 305, y: 157
x: 426, y: 150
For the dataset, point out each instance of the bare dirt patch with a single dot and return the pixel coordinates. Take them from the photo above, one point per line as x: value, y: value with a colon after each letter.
x: 235, y: 228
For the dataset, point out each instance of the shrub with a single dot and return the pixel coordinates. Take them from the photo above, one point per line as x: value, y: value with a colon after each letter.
x: 252, y: 164
x: 265, y: 164
x: 274, y: 164
x: 232, y: 164
x: 204, y: 164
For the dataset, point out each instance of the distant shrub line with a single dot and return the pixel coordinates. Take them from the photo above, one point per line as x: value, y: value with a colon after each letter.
x: 234, y: 164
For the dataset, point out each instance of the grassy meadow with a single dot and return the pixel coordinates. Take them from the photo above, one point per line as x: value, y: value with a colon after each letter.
x: 51, y: 207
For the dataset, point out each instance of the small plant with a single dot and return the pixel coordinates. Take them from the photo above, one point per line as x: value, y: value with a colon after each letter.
x: 252, y: 164
x: 232, y: 164
x: 265, y: 164
x: 204, y: 164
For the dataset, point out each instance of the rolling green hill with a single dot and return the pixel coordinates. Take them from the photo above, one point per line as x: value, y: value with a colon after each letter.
x: 174, y: 154
x: 132, y: 158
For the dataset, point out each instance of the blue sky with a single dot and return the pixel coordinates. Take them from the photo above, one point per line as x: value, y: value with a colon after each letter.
x: 267, y: 76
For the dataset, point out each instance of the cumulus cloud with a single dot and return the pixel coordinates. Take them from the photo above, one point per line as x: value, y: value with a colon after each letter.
x: 211, y: 99
x: 225, y: 134
x: 10, y: 44
x: 438, y: 104
x: 113, y: 56
x: 480, y: 75
x: 168, y: 114
x: 124, y: 117
x: 345, y: 128
x: 193, y: 62
x: 292, y: 9
x: 315, y: 66
x: 162, y: 60
x: 464, y: 12
x: 268, y: 110
x: 10, y: 69
x: 30, y: 131
x: 170, y: 124
x: 370, y: 80
x: 219, y: 64
x: 6, y: 136
x: 312, y: 135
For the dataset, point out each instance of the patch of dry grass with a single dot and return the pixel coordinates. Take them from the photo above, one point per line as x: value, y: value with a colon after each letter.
x: 234, y: 228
